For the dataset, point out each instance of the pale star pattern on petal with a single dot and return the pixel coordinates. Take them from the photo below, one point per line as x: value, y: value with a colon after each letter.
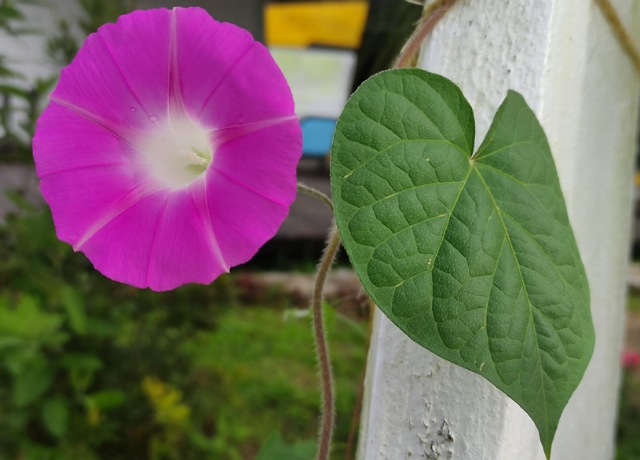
x: 168, y: 152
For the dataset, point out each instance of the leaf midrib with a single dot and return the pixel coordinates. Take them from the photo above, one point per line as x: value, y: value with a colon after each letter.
x: 524, y: 288
x: 517, y: 222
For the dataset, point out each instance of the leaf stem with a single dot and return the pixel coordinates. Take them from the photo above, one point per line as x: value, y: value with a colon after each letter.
x: 322, y: 348
x: 316, y: 194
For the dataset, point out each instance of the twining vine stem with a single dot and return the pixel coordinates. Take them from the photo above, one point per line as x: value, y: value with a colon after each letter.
x: 431, y: 16
x: 328, y: 396
x: 622, y: 35
x: 322, y: 347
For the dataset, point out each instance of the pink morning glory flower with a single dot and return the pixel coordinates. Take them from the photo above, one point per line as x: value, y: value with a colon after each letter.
x: 630, y: 359
x: 168, y: 151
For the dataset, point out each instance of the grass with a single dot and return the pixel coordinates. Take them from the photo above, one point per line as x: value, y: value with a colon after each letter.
x: 262, y: 365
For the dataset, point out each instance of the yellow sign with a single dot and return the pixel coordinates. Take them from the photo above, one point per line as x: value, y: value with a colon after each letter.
x: 337, y: 23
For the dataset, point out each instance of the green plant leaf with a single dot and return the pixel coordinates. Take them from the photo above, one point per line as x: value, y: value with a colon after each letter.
x: 81, y: 369
x: 8, y: 12
x: 73, y: 304
x: 55, y: 416
x: 107, y: 399
x: 28, y: 321
x: 472, y: 256
x: 274, y: 448
x: 19, y: 200
x: 33, y: 380
x: 14, y: 90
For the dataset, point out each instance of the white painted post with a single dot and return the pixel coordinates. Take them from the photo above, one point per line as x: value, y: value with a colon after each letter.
x: 562, y: 56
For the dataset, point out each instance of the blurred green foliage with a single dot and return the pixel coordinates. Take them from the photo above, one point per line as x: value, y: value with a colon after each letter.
x: 92, y: 369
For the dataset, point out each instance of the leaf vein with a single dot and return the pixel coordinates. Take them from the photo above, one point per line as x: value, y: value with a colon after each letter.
x: 526, y: 293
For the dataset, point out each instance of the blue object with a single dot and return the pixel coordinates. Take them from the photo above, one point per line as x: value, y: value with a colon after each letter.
x: 317, y: 134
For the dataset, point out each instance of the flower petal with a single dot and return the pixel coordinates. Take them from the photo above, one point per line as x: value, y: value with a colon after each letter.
x: 242, y: 219
x: 93, y: 198
x: 84, y: 171
x: 162, y: 243
x: 207, y: 50
x: 122, y: 247
x: 183, y: 251
x: 254, y: 90
x: 247, y: 85
x: 265, y: 159
x: 56, y: 148
x: 120, y: 74
x: 139, y: 43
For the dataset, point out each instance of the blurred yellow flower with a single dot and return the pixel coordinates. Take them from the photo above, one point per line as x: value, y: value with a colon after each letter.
x: 167, y: 403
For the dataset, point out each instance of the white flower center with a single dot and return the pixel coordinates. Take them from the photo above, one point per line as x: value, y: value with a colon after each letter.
x: 177, y: 151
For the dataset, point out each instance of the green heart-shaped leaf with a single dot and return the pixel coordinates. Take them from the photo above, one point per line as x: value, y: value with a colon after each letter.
x: 472, y: 256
